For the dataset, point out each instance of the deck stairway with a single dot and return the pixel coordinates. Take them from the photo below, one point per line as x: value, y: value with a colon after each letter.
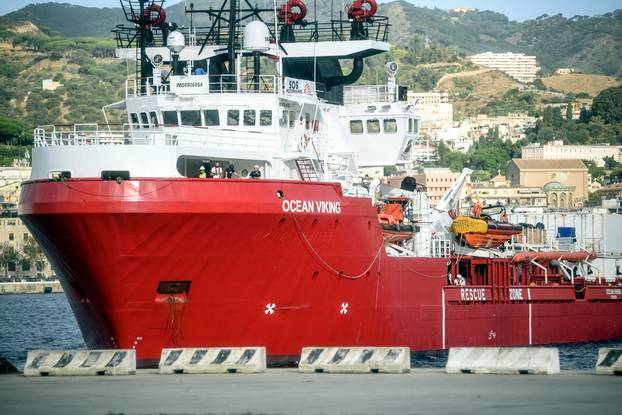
x: 307, y: 169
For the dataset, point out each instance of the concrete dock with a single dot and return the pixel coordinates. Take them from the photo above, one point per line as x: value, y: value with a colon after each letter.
x: 285, y: 391
x: 23, y: 287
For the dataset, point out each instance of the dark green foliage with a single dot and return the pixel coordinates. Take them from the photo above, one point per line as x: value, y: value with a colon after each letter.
x: 611, y: 163
x: 11, y: 131
x: 608, y: 105
x: 595, y: 171
x: 487, y: 157
x: 512, y: 101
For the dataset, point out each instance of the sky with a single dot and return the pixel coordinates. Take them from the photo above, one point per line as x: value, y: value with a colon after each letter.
x: 515, y: 10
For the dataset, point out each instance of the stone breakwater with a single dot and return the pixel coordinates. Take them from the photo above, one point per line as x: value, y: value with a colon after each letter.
x: 39, y: 287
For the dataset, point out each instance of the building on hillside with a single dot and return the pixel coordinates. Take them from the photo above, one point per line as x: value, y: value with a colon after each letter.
x: 50, y: 85
x: 566, y: 182
x: 556, y: 150
x: 434, y: 110
x: 564, y: 71
x: 437, y: 182
x: 10, y: 181
x: 462, y: 10
x: 519, y: 66
x: 13, y: 232
x: 510, y: 127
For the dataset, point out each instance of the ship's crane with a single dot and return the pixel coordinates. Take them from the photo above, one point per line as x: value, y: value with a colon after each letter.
x: 440, y: 214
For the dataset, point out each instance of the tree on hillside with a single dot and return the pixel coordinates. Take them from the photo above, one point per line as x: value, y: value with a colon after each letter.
x: 11, y: 131
x: 608, y: 105
x: 611, y: 163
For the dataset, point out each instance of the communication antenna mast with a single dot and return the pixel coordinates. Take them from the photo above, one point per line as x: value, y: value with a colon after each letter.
x: 145, y: 14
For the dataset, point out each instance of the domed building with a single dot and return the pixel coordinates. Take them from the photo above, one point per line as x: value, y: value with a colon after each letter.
x: 559, y: 196
x: 565, y: 182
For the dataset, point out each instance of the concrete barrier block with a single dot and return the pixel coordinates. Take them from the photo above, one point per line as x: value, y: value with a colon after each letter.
x: 503, y: 360
x: 80, y: 362
x: 213, y: 360
x: 355, y: 360
x: 609, y: 362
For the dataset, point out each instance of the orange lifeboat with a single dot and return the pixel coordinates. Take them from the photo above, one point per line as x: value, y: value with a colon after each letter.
x: 391, y: 219
x: 483, y: 233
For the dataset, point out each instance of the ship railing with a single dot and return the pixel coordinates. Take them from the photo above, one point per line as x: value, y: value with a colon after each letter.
x: 214, y: 84
x: 78, y: 134
x: 92, y: 134
x: 337, y: 30
x: 369, y: 94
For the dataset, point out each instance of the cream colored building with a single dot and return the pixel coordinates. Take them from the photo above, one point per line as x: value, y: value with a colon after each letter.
x: 435, y: 111
x: 556, y: 150
x: 565, y: 181
x: 519, y: 66
x: 12, y: 230
x: 500, y: 191
x: 437, y: 182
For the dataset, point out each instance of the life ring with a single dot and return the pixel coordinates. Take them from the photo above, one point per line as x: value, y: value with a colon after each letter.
x: 288, y: 16
x: 357, y: 11
x: 158, y: 21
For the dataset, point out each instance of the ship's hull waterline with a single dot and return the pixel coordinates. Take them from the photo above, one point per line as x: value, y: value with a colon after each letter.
x: 279, y: 264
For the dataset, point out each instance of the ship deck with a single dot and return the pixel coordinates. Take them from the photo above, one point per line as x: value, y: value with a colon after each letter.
x: 427, y: 391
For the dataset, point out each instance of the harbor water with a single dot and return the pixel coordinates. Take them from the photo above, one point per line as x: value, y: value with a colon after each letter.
x: 45, y: 321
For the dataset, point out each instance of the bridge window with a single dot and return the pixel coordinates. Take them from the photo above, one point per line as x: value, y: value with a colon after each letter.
x: 233, y: 117
x: 144, y: 118
x: 412, y: 125
x: 250, y: 117
x: 307, y: 121
x: 283, y: 120
x: 170, y: 118
x: 265, y: 118
x: 154, y: 119
x: 211, y: 118
x: 389, y: 125
x: 192, y: 118
x: 356, y: 127
x: 373, y: 126
x: 292, y: 119
x: 134, y: 120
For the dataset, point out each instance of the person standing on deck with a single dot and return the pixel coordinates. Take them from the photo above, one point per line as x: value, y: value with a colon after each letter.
x: 217, y: 171
x: 202, y: 173
x: 255, y: 174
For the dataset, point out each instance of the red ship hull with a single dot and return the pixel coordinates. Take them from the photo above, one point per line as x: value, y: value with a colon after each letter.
x: 280, y: 272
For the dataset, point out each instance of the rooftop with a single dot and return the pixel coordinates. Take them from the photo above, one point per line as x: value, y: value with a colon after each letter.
x: 549, y: 164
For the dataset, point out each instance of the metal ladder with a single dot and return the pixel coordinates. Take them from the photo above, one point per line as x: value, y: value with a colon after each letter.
x: 307, y: 170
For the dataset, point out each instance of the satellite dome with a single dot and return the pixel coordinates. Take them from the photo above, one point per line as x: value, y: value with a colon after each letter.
x: 256, y: 36
x: 175, y: 41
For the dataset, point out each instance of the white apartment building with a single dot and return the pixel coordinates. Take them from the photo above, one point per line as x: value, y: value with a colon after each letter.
x: 556, y: 150
x: 435, y: 110
x: 519, y: 66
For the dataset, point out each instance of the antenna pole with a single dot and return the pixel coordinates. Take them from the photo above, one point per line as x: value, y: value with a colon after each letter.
x: 145, y: 66
x: 232, y: 29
